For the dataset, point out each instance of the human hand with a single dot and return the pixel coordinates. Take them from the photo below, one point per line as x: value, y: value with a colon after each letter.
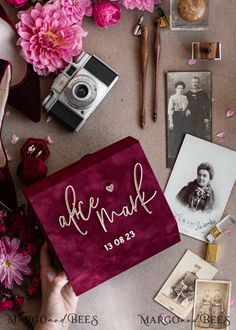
x: 171, y: 126
x: 187, y: 113
x: 58, y: 297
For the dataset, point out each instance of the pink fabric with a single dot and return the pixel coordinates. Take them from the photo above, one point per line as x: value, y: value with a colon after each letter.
x: 109, y: 176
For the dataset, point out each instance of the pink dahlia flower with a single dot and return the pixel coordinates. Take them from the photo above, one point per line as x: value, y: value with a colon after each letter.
x: 106, y: 13
x: 75, y: 9
x: 140, y: 4
x: 12, y: 263
x: 48, y: 39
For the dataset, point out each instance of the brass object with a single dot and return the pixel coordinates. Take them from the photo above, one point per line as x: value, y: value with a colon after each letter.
x: 191, y: 10
x: 39, y: 153
x: 211, y: 252
x: 206, y: 50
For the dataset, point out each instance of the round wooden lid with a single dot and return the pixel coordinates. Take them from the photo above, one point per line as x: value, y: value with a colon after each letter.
x: 191, y: 10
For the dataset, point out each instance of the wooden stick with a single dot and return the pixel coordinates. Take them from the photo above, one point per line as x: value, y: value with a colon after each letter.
x: 144, y: 62
x: 157, y: 52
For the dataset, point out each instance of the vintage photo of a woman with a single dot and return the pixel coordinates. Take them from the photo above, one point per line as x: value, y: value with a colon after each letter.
x: 177, y: 106
x: 198, y: 195
x: 205, y: 310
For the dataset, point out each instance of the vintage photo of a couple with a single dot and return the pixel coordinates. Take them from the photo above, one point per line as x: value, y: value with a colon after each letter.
x: 189, y: 109
x: 211, y: 305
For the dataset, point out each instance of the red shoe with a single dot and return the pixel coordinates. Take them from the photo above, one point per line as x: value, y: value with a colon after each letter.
x: 7, y: 189
x: 24, y: 96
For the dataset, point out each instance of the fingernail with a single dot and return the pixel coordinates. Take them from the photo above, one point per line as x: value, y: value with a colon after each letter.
x: 63, y: 274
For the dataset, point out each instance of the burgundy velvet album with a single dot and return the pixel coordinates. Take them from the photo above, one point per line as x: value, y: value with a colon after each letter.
x: 103, y: 214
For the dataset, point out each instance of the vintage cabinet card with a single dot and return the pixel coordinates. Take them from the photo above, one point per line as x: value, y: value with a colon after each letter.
x: 211, y: 305
x: 200, y: 185
x: 177, y: 293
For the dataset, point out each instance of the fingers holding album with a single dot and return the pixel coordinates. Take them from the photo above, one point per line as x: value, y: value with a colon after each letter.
x: 58, y: 297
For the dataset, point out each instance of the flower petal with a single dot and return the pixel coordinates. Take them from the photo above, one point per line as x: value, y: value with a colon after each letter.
x: 14, y: 139
x: 221, y: 135
x: 230, y: 113
x: 191, y: 61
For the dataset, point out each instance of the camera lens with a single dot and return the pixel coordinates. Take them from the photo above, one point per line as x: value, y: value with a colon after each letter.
x: 81, y: 91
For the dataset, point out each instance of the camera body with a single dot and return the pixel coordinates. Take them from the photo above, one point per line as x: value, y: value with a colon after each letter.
x: 78, y: 90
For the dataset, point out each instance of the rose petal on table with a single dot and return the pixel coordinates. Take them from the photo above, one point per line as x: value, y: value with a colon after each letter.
x: 228, y: 232
x: 230, y: 113
x: 49, y: 118
x: 220, y: 135
x: 14, y: 139
x: 232, y: 301
x: 50, y: 140
x: 9, y: 157
x: 191, y: 61
x: 163, y: 316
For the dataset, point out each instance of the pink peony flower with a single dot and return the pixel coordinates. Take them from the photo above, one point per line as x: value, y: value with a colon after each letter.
x: 75, y: 9
x: 106, y: 13
x: 140, y: 4
x: 17, y: 3
x: 48, y: 39
x: 12, y: 263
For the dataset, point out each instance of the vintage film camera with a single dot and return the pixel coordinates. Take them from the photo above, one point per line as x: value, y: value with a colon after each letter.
x: 78, y: 90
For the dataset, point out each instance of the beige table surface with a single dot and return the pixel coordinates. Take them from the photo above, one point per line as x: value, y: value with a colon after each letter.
x: 118, y: 302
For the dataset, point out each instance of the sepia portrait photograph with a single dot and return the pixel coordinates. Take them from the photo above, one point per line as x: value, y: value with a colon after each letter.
x: 177, y: 294
x: 198, y: 194
x: 211, y: 305
x: 188, y: 109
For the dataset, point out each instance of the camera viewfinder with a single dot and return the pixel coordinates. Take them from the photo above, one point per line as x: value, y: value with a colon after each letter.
x: 71, y: 70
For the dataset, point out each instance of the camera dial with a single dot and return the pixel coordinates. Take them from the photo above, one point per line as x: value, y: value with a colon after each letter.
x: 81, y: 92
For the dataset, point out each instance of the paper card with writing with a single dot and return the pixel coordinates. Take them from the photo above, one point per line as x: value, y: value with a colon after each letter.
x: 103, y: 214
x: 177, y: 294
x: 212, y: 305
x: 200, y: 185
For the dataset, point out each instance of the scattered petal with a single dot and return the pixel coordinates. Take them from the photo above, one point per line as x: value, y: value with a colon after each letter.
x: 221, y: 135
x: 232, y: 301
x: 9, y: 157
x: 228, y: 232
x: 163, y: 317
x: 49, y: 140
x: 49, y: 118
x: 14, y: 139
x: 191, y: 61
x: 230, y: 113
x: 1, y: 215
x: 8, y: 113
